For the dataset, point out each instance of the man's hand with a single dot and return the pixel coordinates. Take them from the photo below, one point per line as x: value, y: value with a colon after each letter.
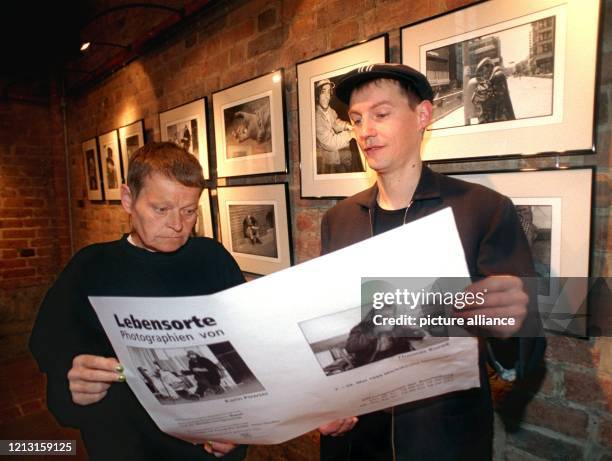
x: 219, y: 449
x: 339, y: 426
x: 503, y: 297
x: 91, y: 376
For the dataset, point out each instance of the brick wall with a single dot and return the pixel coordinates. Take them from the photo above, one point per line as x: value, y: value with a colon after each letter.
x: 34, y: 232
x: 567, y: 415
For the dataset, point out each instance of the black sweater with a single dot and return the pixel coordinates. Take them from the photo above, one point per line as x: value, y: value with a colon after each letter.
x: 67, y: 326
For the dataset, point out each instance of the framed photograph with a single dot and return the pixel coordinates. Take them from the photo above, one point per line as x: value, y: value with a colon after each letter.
x: 131, y: 137
x: 186, y: 126
x: 255, y: 226
x: 93, y: 178
x: 110, y: 160
x: 249, y: 127
x: 554, y: 207
x: 510, y: 77
x: 331, y: 162
x: 204, y: 226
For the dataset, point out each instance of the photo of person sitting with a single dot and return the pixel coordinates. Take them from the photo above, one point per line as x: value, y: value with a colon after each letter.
x: 250, y: 227
x: 172, y: 385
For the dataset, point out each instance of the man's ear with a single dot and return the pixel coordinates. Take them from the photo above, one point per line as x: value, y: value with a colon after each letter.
x: 127, y: 200
x: 424, y: 112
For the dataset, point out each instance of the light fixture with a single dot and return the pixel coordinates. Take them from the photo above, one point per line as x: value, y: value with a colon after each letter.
x: 86, y: 45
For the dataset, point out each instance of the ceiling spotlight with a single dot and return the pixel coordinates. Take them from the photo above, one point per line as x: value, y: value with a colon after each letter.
x: 86, y: 45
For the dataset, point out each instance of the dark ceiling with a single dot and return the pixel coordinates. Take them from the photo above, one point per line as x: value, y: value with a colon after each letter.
x: 40, y: 40
x: 37, y: 37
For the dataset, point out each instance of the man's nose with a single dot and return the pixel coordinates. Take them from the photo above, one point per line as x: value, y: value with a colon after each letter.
x: 366, y: 129
x: 175, y: 221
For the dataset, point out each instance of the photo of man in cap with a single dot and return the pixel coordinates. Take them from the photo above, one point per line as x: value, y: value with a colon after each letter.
x: 333, y: 134
x: 390, y: 106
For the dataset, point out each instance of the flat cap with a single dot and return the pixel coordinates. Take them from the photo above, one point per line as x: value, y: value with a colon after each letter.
x: 400, y: 72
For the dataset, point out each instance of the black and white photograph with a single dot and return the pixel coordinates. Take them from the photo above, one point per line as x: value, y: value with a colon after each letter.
x: 537, y: 223
x: 111, y: 164
x: 131, y: 137
x: 253, y: 229
x: 250, y: 127
x: 194, y: 374
x: 93, y: 177
x: 553, y: 207
x: 186, y: 127
x: 254, y: 223
x: 344, y: 340
x: 337, y: 150
x: 184, y: 133
x: 331, y: 164
x: 510, y: 77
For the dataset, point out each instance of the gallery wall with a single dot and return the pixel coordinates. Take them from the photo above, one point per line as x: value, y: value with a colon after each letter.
x: 568, y: 413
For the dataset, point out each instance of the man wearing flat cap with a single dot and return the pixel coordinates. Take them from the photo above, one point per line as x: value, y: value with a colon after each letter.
x: 390, y: 106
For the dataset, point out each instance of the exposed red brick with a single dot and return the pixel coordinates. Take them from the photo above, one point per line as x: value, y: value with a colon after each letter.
x: 34, y: 406
x: 12, y: 263
x: 543, y: 446
x: 18, y: 233
x: 346, y: 32
x: 604, y: 435
x: 557, y: 418
x: 304, y: 221
x: 589, y: 389
x: 13, y: 244
x: 266, y: 19
x: 571, y: 350
x: 271, y: 40
x: 11, y: 223
x: 9, y: 414
x: 18, y: 273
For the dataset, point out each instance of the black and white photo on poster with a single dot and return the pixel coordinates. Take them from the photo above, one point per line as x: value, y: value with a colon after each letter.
x: 253, y: 229
x: 195, y: 373
x: 248, y: 128
x: 500, y: 76
x: 337, y: 150
x: 184, y: 133
x: 344, y: 340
